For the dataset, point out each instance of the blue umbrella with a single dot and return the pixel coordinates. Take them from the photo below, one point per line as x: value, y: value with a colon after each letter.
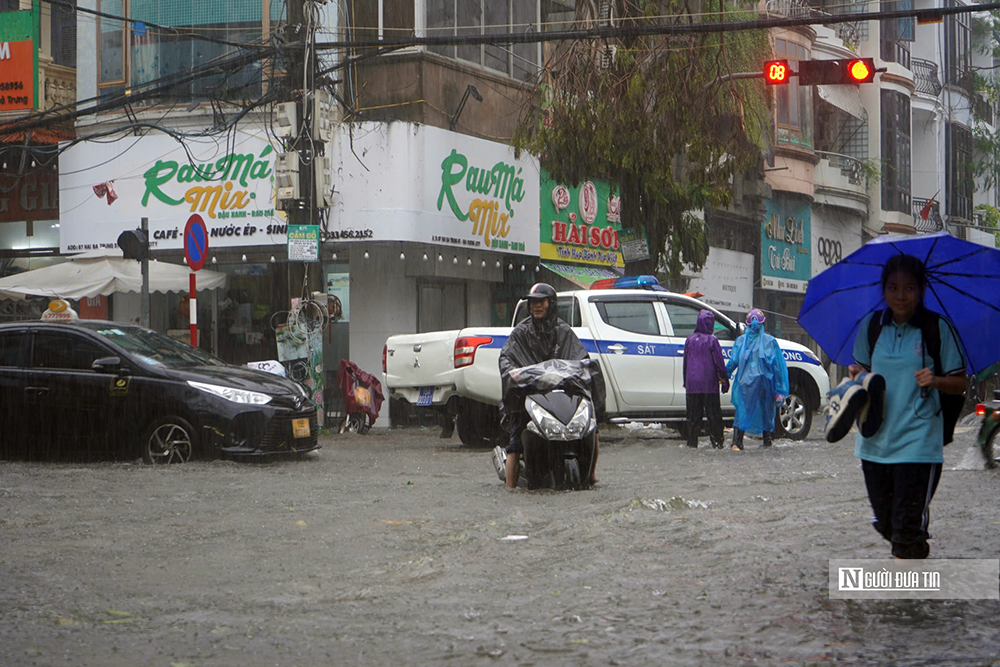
x: 963, y: 284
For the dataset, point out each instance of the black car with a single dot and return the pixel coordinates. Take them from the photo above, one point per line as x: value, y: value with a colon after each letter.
x: 88, y: 389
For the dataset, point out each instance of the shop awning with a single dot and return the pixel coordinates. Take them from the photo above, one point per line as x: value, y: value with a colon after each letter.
x: 103, y: 272
x: 846, y: 98
x: 584, y: 276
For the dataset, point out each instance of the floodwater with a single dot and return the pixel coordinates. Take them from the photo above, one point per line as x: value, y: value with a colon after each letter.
x: 399, y: 548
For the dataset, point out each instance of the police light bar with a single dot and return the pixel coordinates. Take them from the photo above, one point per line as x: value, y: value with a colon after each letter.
x: 629, y: 282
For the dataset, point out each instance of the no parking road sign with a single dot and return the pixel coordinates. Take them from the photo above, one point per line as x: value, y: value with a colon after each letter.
x: 195, y: 242
x: 195, y: 252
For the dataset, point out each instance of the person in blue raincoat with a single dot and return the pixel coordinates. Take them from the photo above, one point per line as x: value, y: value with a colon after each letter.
x: 761, y: 381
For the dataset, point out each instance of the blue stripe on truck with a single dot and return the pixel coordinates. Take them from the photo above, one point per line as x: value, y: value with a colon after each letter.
x: 655, y: 349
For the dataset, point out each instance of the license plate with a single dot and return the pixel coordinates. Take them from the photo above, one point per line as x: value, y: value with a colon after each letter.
x: 425, y: 396
x: 300, y: 428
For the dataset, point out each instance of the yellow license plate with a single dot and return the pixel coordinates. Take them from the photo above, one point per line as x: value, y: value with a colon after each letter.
x: 300, y: 428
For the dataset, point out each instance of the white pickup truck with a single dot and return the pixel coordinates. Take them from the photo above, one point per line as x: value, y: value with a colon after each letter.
x: 637, y: 335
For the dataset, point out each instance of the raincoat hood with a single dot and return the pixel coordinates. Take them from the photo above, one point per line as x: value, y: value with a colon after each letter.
x: 706, y: 322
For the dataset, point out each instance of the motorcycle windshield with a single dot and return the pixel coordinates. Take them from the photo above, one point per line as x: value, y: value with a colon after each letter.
x: 572, y: 376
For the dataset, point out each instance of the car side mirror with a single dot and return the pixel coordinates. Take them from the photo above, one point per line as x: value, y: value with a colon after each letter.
x: 109, y: 365
x: 741, y: 329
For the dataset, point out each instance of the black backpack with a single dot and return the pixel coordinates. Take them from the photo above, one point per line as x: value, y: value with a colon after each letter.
x: 951, y: 404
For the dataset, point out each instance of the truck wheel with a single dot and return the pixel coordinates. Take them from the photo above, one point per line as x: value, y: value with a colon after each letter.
x: 794, y: 418
x: 478, y: 425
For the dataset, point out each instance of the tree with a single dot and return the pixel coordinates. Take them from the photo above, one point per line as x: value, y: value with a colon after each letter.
x: 659, y: 117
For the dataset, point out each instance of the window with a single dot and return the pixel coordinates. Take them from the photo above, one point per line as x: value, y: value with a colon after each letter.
x: 568, y: 311
x: 63, y: 34
x: 896, y: 166
x: 894, y: 36
x: 65, y: 351
x: 957, y: 52
x: 793, y: 103
x: 959, y: 183
x: 131, y: 53
x: 635, y: 316
x: 14, y: 349
x: 684, y: 319
x: 484, y: 17
x: 396, y: 19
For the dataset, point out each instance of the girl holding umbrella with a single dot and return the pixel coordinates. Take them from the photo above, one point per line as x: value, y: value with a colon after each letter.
x: 922, y: 311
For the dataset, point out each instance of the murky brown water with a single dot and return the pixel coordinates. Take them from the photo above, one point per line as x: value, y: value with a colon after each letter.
x: 388, y: 549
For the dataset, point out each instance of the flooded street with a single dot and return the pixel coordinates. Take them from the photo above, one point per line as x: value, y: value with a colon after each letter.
x: 399, y: 548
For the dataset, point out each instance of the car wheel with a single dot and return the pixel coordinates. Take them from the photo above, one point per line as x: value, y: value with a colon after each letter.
x: 169, y: 440
x: 794, y: 418
x: 478, y: 425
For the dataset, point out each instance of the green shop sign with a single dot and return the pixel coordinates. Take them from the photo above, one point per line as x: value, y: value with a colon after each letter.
x: 579, y: 224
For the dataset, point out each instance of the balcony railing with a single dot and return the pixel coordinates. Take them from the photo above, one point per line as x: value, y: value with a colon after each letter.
x: 896, y: 51
x: 925, y: 77
x: 851, y: 167
x: 933, y: 223
x: 789, y: 8
x: 57, y: 85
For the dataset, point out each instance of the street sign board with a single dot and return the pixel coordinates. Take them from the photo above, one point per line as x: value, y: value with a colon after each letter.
x: 303, y: 243
x: 195, y: 242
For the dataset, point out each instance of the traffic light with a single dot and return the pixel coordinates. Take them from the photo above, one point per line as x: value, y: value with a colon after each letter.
x: 838, y: 71
x: 134, y: 244
x: 776, y: 72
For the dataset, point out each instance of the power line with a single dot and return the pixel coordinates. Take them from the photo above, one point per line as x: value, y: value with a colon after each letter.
x: 631, y: 31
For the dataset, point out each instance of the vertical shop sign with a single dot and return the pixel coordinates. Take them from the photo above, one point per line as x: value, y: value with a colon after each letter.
x: 338, y: 285
x: 579, y: 224
x: 785, y: 259
x: 18, y: 60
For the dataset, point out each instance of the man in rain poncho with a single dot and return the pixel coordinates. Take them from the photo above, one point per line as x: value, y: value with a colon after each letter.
x: 761, y: 381
x: 541, y: 337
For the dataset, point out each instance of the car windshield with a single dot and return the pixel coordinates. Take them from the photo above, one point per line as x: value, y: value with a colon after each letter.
x: 156, y: 348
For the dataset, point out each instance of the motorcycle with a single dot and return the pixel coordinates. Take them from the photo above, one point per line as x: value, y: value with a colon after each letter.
x: 561, y: 434
x: 990, y: 412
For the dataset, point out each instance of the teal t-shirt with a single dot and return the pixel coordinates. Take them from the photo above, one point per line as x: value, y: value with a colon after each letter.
x: 912, y: 429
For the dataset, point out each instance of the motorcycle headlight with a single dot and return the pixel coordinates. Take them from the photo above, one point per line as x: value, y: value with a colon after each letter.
x: 546, y: 425
x: 581, y: 421
x: 551, y: 428
x: 230, y: 394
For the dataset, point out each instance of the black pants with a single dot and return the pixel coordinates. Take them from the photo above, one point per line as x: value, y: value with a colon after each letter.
x: 710, y: 405
x: 900, y: 494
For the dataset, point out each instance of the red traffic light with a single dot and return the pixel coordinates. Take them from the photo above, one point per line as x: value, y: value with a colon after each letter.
x: 860, y: 71
x: 836, y: 71
x: 776, y: 72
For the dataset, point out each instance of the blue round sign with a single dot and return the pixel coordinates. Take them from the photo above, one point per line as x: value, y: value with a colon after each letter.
x: 195, y: 242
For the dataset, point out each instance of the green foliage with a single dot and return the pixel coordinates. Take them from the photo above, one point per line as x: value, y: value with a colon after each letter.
x: 990, y: 217
x: 662, y: 122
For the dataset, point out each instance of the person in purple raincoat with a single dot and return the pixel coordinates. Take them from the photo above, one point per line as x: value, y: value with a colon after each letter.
x: 704, y: 371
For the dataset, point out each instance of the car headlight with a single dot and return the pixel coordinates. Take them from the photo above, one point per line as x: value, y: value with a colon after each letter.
x: 234, y: 395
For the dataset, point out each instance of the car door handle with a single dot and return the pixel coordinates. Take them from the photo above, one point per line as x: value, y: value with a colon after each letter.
x: 36, y: 390
x: 617, y: 348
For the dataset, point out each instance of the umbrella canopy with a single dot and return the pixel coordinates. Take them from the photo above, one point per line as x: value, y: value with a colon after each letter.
x: 963, y: 284
x: 103, y: 272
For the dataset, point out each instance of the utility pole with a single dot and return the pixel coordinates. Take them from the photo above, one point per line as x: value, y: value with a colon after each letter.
x: 304, y: 122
